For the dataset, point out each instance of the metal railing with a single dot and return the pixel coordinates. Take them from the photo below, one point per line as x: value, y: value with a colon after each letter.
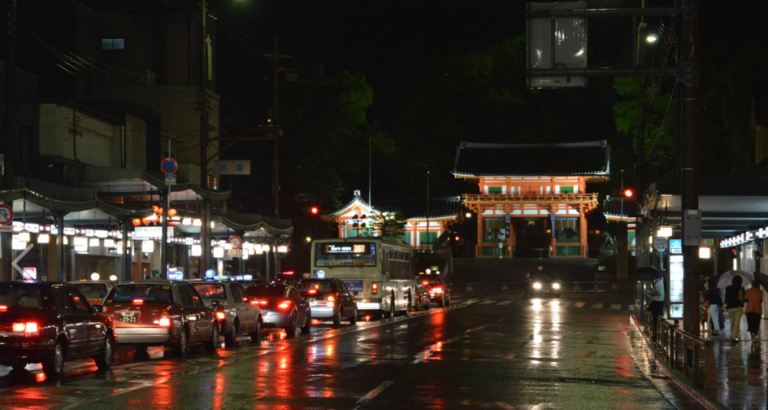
x: 531, y: 197
x: 692, y: 356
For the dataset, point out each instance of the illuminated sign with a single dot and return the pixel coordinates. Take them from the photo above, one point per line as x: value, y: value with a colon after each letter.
x: 354, y: 248
x: 675, y: 246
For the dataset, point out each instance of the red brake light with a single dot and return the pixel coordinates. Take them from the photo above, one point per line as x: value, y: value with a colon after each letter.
x: 259, y: 302
x: 3, y: 308
x: 221, y: 315
x: 29, y: 327
x: 138, y: 301
x: 312, y: 291
x: 284, y: 305
x: 288, y: 273
x: 245, y: 299
x: 165, y: 322
x: 330, y: 298
x: 425, y: 283
x: 437, y: 289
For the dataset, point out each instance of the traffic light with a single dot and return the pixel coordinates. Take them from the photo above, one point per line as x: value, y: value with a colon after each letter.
x: 314, y: 210
x: 628, y: 193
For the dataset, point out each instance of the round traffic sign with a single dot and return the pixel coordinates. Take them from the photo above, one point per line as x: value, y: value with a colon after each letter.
x: 6, y: 214
x: 169, y: 166
x: 236, y: 242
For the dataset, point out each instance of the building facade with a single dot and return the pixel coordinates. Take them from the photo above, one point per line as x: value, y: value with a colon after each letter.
x: 532, y: 196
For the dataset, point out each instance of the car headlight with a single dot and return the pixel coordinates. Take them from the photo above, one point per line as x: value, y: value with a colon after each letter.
x: 555, y: 286
x: 536, y: 285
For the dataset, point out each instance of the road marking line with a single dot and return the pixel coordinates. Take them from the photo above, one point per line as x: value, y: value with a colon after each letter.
x: 615, y: 307
x: 373, y: 393
x: 488, y: 302
x: 597, y: 306
x: 579, y: 304
x: 506, y: 302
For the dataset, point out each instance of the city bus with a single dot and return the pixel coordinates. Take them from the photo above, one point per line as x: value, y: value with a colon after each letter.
x: 378, y: 271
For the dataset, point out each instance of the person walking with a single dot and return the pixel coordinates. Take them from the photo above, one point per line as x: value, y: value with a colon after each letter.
x: 754, y: 309
x: 734, y: 302
x: 712, y: 295
x: 655, y: 296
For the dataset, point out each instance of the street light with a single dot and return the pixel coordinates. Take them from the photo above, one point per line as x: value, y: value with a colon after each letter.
x: 467, y: 215
x: 651, y: 38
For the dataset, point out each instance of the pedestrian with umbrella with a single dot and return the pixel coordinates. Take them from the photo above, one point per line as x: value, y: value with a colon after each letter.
x: 656, y: 296
x: 754, y: 309
x: 734, y: 302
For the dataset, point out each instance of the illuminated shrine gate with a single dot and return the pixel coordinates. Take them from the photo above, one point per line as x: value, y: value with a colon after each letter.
x: 532, y: 196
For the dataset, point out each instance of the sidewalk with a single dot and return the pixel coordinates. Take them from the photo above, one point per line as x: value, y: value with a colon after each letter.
x: 742, y: 367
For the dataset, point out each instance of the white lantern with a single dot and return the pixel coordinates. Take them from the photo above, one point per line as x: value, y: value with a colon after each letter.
x: 186, y: 221
x: 197, y: 222
x: 705, y: 252
x: 197, y: 250
x: 109, y: 243
x: 218, y: 252
x: 95, y: 276
x: 24, y: 236
x: 94, y: 242
x: 147, y: 246
x: 113, y: 278
x: 43, y: 238
x: 213, y: 224
x: 665, y: 231
x: 81, y: 241
x: 17, y: 244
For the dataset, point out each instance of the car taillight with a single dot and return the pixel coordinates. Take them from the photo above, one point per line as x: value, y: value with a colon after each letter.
x: 3, y: 308
x: 258, y: 302
x: 375, y: 288
x: 437, y: 289
x: 221, y: 315
x: 329, y: 303
x: 284, y: 305
x: 330, y: 298
x: 29, y: 327
x: 165, y: 322
x: 138, y: 301
x: 312, y: 292
x: 425, y: 283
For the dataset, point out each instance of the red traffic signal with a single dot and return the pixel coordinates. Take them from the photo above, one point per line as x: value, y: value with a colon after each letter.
x: 628, y: 193
x: 314, y: 210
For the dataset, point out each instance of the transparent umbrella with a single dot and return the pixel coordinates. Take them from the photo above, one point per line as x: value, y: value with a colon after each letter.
x: 726, y: 279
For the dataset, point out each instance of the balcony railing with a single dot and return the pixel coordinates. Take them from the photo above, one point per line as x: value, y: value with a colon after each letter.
x: 532, y: 198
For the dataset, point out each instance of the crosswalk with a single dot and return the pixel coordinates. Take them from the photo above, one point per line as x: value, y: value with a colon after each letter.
x: 560, y: 303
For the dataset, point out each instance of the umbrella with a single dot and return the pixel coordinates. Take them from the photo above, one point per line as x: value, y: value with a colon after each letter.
x: 647, y: 273
x: 726, y: 279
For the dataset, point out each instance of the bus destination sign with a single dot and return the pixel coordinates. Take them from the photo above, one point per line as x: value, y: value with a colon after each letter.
x: 336, y: 248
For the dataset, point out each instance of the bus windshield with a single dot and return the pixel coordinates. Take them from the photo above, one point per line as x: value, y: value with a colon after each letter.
x: 345, y: 254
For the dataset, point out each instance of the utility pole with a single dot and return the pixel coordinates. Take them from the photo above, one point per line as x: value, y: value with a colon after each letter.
x: 428, y: 241
x: 275, y: 123
x: 9, y: 155
x: 690, y: 168
x: 370, y: 173
x: 205, y: 241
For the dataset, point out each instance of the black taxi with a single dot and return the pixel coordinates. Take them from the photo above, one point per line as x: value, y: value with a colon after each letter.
x: 49, y: 323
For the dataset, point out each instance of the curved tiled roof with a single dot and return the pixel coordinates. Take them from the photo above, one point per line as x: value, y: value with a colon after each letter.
x: 584, y: 158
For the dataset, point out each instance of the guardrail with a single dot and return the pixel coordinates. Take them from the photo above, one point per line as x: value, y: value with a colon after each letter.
x: 692, y: 356
x: 565, y: 287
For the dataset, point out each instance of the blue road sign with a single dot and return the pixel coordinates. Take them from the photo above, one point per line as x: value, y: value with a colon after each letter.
x: 169, y: 166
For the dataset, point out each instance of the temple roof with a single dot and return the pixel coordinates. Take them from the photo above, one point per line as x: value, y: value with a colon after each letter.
x: 479, y: 159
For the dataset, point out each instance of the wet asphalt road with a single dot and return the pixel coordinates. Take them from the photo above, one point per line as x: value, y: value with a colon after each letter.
x: 492, y: 351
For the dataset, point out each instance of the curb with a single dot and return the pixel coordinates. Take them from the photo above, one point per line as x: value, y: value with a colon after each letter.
x: 673, y: 375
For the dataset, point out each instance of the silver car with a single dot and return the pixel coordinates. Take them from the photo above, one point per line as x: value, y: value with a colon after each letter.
x: 234, y: 311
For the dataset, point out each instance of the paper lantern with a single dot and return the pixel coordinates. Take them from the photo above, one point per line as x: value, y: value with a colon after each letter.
x: 136, y: 222
x: 173, y: 212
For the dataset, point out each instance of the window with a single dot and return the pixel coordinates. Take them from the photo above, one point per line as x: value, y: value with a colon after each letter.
x: 238, y: 293
x: 186, y: 297
x: 494, y: 190
x: 494, y: 229
x: 405, y: 236
x: 63, y: 301
x: 81, y: 306
x: 113, y: 44
x: 566, y: 189
x: 196, y: 300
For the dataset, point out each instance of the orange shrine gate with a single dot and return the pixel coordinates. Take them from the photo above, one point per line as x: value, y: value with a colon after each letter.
x: 532, y: 196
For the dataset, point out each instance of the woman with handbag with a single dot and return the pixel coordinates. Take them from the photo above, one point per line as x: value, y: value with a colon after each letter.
x: 734, y: 303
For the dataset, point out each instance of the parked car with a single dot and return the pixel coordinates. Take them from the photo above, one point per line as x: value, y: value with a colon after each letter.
x: 94, y: 290
x: 282, y: 306
x: 161, y: 313
x: 329, y: 299
x: 421, y: 297
x: 49, y: 323
x: 233, y: 310
x: 439, y: 291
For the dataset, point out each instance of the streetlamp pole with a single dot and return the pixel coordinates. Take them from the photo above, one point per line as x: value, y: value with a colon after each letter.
x: 428, y: 241
x: 205, y: 241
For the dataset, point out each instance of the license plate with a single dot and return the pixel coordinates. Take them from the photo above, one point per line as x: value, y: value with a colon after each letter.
x: 128, y: 317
